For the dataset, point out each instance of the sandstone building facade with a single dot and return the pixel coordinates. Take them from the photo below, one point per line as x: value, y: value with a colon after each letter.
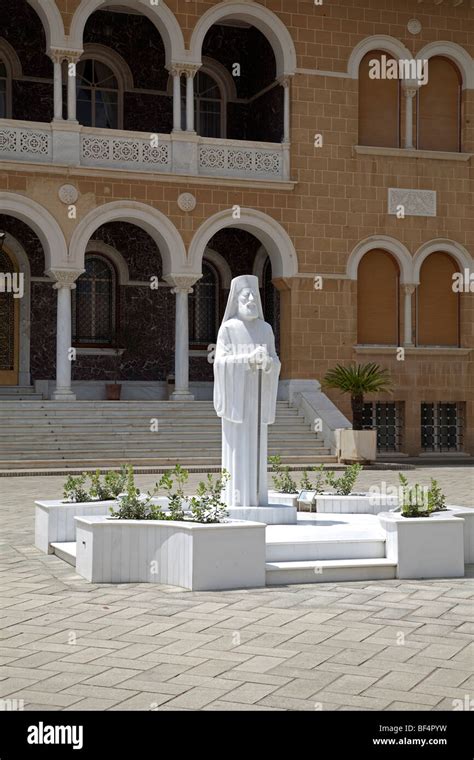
x: 149, y: 152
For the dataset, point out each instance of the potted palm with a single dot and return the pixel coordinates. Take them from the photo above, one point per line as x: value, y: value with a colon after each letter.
x: 358, y: 444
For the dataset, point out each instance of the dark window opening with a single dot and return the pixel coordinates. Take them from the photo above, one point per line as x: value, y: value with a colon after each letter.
x: 94, y: 303
x: 442, y: 426
x: 204, y: 308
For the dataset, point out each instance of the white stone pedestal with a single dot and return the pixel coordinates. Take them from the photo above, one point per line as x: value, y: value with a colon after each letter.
x: 191, y: 555
x: 271, y: 514
x: 425, y: 547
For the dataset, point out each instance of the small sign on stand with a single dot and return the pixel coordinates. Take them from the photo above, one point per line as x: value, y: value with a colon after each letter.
x: 308, y: 497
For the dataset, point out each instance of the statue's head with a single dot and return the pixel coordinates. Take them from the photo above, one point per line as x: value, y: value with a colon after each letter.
x: 244, y: 299
x: 247, y: 304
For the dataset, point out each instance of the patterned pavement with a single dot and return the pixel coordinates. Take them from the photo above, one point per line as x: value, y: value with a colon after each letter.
x: 372, y: 645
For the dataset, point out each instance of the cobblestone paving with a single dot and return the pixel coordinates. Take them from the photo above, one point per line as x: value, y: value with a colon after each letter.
x: 66, y: 644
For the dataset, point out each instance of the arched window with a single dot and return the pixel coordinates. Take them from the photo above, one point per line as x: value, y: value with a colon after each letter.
x: 438, y: 305
x: 94, y: 303
x: 204, y: 307
x: 209, y: 105
x: 439, y: 107
x: 268, y: 294
x: 379, y: 106
x: 98, y: 95
x: 5, y: 92
x: 378, y: 289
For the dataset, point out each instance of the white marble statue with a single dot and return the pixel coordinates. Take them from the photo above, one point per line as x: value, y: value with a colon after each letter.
x: 246, y: 370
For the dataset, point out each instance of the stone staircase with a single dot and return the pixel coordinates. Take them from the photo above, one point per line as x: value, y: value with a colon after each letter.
x: 327, y: 548
x: 37, y: 434
x: 19, y: 393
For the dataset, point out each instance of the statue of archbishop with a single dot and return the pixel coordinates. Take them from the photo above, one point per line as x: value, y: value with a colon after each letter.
x: 246, y: 371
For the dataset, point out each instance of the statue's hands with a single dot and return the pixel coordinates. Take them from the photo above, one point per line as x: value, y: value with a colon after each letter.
x: 260, y: 359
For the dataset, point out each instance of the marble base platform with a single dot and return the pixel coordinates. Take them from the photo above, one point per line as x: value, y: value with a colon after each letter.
x: 271, y: 514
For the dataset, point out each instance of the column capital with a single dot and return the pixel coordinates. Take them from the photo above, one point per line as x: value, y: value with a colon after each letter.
x: 176, y: 68
x: 58, y: 55
x: 182, y: 283
x: 409, y: 289
x: 410, y: 88
x: 65, y: 278
x: 285, y: 80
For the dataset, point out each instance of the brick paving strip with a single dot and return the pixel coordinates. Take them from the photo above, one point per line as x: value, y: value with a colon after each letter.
x: 369, y: 645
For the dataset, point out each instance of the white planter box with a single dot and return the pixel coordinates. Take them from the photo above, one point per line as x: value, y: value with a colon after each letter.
x: 54, y: 519
x: 191, y: 555
x: 467, y: 514
x: 369, y: 504
x: 425, y: 547
x: 288, y: 499
x: 358, y: 445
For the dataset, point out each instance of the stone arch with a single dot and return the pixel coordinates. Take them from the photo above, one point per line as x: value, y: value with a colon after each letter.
x: 14, y: 247
x: 375, y: 42
x: 98, y: 246
x: 221, y: 265
x: 455, y: 53
x: 52, y: 22
x: 259, y: 264
x: 460, y: 254
x: 160, y: 16
x: 43, y: 223
x: 113, y: 60
x: 266, y: 229
x: 258, y: 16
x: 154, y: 222
x: 386, y: 243
x: 9, y: 55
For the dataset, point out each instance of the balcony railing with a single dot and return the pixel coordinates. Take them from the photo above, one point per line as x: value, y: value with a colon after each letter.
x: 176, y: 153
x: 22, y: 141
x: 111, y: 148
x: 238, y: 158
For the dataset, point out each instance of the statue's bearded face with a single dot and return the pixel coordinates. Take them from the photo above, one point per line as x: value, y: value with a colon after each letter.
x: 247, y: 304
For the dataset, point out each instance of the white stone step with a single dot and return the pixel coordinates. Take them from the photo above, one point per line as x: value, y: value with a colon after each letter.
x: 326, y: 537
x: 329, y: 571
x: 66, y: 551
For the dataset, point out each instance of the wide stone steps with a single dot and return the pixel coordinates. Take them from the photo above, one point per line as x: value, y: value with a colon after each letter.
x: 327, y: 548
x: 97, y: 433
x: 329, y: 571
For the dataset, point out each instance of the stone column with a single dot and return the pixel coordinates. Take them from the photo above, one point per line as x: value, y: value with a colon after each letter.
x: 190, y: 73
x: 65, y: 283
x: 408, y: 291
x: 285, y: 83
x: 72, y: 59
x: 410, y: 93
x: 176, y: 74
x: 57, y: 57
x: 182, y: 288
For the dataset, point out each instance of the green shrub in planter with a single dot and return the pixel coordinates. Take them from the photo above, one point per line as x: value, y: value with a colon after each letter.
x: 112, y: 484
x: 207, y: 506
x: 282, y: 480
x: 343, y: 486
x: 74, y: 490
x: 419, y: 501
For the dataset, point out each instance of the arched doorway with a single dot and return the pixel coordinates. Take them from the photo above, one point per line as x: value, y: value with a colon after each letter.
x: 9, y: 319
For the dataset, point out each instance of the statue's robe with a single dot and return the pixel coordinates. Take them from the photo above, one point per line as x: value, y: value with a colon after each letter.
x: 236, y: 402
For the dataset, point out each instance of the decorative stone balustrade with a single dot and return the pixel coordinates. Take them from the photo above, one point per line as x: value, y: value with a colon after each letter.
x: 177, y: 153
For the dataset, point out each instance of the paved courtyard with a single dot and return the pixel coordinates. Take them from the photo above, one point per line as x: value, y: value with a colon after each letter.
x: 66, y: 644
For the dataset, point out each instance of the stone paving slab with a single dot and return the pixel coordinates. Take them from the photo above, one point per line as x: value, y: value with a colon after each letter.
x: 368, y: 645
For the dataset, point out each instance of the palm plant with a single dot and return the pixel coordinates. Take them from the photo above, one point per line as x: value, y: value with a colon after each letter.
x: 358, y: 380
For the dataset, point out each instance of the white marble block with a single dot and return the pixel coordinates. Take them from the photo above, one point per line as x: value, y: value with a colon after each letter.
x: 54, y: 520
x: 190, y: 555
x: 425, y: 547
x: 370, y: 504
